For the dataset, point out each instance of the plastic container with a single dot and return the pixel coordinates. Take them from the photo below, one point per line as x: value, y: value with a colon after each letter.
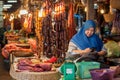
x: 102, y: 74
x: 84, y: 67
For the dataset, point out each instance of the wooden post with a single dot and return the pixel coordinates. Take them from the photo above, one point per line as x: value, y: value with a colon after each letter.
x: 90, y: 10
x: 1, y: 14
x: 12, y: 25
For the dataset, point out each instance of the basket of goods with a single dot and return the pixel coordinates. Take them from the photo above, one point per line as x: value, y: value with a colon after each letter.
x: 23, y: 42
x: 22, y: 53
x: 27, y: 46
x: 12, y: 35
x: 33, y: 65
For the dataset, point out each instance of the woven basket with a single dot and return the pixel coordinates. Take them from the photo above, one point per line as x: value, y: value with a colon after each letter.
x: 12, y: 37
x: 19, y: 53
x: 109, y: 17
x: 115, y: 4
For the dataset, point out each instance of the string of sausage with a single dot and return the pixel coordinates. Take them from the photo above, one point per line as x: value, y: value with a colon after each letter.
x: 54, y: 32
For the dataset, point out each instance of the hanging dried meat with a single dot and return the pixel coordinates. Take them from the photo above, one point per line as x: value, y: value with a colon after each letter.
x: 51, y: 29
x: 71, y: 24
x: 116, y: 23
x: 38, y: 31
x: 26, y: 21
x: 29, y: 22
x: 60, y: 29
x: 46, y: 30
x: 54, y: 29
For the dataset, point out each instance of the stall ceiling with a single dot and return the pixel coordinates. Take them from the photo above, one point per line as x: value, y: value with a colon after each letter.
x: 17, y: 4
x: 14, y: 7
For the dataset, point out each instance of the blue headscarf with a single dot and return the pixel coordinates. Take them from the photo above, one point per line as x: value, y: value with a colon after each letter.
x: 83, y: 42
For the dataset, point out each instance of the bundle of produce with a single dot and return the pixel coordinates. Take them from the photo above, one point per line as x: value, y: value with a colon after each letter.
x: 113, y: 49
x: 22, y: 53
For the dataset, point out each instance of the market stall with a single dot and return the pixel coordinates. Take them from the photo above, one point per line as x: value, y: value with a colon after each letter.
x: 48, y: 45
x: 39, y: 47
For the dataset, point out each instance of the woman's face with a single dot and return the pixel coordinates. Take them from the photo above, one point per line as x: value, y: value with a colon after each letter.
x: 89, y: 32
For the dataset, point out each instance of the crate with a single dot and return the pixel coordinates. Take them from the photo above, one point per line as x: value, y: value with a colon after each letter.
x: 84, y: 67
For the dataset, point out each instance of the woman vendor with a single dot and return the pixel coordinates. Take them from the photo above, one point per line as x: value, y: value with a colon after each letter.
x: 86, y: 45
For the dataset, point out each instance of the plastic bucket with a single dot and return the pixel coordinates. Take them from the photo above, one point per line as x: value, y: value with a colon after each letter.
x: 102, y: 74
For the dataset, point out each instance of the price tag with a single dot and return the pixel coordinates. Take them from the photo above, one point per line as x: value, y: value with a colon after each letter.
x: 69, y: 71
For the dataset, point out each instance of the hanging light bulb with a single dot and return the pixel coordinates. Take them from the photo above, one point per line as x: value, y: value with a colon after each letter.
x: 95, y: 6
x: 85, y: 9
x: 40, y: 14
x: 23, y: 11
x: 4, y: 17
x: 11, y: 17
x: 19, y: 16
x: 12, y: 1
x: 102, y: 11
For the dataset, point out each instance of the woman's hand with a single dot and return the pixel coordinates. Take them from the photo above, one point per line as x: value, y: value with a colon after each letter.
x: 101, y: 53
x: 87, y: 50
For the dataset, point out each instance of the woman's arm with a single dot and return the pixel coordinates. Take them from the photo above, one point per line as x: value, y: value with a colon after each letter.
x: 87, y: 50
x: 75, y: 50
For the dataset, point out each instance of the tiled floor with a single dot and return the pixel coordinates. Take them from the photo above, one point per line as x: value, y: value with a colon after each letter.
x: 4, y: 73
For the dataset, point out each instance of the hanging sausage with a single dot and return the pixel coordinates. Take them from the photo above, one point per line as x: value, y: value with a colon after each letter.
x: 52, y: 29
x: 71, y: 24
x: 116, y: 23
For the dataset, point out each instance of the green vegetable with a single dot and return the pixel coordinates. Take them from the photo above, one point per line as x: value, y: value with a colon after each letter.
x: 113, y: 49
